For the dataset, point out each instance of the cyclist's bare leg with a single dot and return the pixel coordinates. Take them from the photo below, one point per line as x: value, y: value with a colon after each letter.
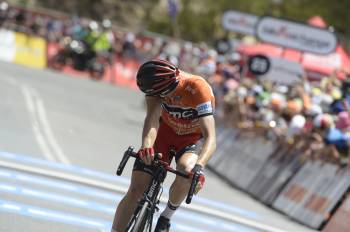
x: 126, y: 207
x: 180, y: 186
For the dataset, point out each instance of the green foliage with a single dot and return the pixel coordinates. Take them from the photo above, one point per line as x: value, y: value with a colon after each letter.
x: 198, y: 20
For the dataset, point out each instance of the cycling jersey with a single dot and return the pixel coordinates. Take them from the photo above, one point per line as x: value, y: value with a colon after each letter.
x: 180, y: 129
x: 193, y: 98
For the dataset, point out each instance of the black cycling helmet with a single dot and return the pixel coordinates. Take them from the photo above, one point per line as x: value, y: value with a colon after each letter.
x: 157, y: 77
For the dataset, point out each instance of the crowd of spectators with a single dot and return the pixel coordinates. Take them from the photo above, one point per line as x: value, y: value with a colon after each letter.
x: 318, y: 112
x: 55, y: 27
x: 314, y: 111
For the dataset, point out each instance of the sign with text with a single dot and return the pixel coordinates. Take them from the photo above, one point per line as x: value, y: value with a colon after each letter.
x: 284, y: 71
x: 239, y: 22
x: 296, y: 35
x: 259, y: 65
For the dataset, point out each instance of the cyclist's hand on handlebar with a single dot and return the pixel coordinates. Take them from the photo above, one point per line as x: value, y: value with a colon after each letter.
x: 147, y: 155
x: 201, y: 178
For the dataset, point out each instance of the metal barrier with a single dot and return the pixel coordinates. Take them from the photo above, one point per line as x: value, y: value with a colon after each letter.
x: 313, y: 193
x: 224, y: 140
x: 281, y: 176
x: 239, y: 157
x: 251, y: 154
x: 276, y: 172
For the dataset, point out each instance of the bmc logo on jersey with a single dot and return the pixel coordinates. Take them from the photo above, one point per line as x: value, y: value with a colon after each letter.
x: 205, y: 108
x: 176, y: 112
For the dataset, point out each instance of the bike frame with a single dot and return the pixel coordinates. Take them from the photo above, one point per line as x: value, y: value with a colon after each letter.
x: 151, y: 195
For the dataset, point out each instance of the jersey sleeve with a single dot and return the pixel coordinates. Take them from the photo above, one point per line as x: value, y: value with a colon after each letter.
x: 204, y: 99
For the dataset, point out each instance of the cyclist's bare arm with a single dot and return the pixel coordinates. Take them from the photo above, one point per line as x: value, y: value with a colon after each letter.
x: 151, y: 123
x: 208, y: 130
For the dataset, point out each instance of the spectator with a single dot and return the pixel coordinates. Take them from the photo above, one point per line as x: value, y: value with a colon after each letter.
x: 207, y: 67
x: 3, y: 12
x: 129, y: 50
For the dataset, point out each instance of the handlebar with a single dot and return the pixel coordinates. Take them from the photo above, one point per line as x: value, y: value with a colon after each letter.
x: 194, y: 183
x: 130, y: 152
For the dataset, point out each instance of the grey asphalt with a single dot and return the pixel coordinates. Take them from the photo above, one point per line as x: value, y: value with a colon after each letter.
x: 92, y: 123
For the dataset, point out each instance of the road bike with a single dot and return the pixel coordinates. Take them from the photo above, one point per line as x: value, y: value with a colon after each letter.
x: 142, y: 218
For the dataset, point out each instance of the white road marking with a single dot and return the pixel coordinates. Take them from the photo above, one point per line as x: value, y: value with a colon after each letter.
x: 40, y: 124
x: 48, y: 131
x: 10, y: 206
x: 35, y: 125
x: 41, y: 127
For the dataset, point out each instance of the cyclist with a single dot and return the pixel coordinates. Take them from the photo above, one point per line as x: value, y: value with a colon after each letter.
x: 179, y: 113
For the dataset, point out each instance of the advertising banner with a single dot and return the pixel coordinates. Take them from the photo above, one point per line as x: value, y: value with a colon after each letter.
x: 333, y: 60
x: 7, y: 45
x: 239, y: 22
x: 30, y: 51
x: 296, y: 35
x: 284, y: 71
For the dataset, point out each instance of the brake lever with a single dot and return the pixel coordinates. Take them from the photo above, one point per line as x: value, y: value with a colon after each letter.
x: 129, y: 152
x: 194, y: 183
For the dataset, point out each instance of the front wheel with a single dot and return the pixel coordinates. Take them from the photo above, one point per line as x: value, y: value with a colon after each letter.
x: 142, y: 219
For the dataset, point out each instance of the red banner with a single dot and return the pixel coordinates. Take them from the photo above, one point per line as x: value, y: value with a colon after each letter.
x: 125, y: 72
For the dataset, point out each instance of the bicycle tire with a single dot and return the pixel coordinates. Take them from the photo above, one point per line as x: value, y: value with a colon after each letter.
x: 141, y: 218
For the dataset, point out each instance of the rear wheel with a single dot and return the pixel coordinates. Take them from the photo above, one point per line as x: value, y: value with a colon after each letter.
x: 142, y: 219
